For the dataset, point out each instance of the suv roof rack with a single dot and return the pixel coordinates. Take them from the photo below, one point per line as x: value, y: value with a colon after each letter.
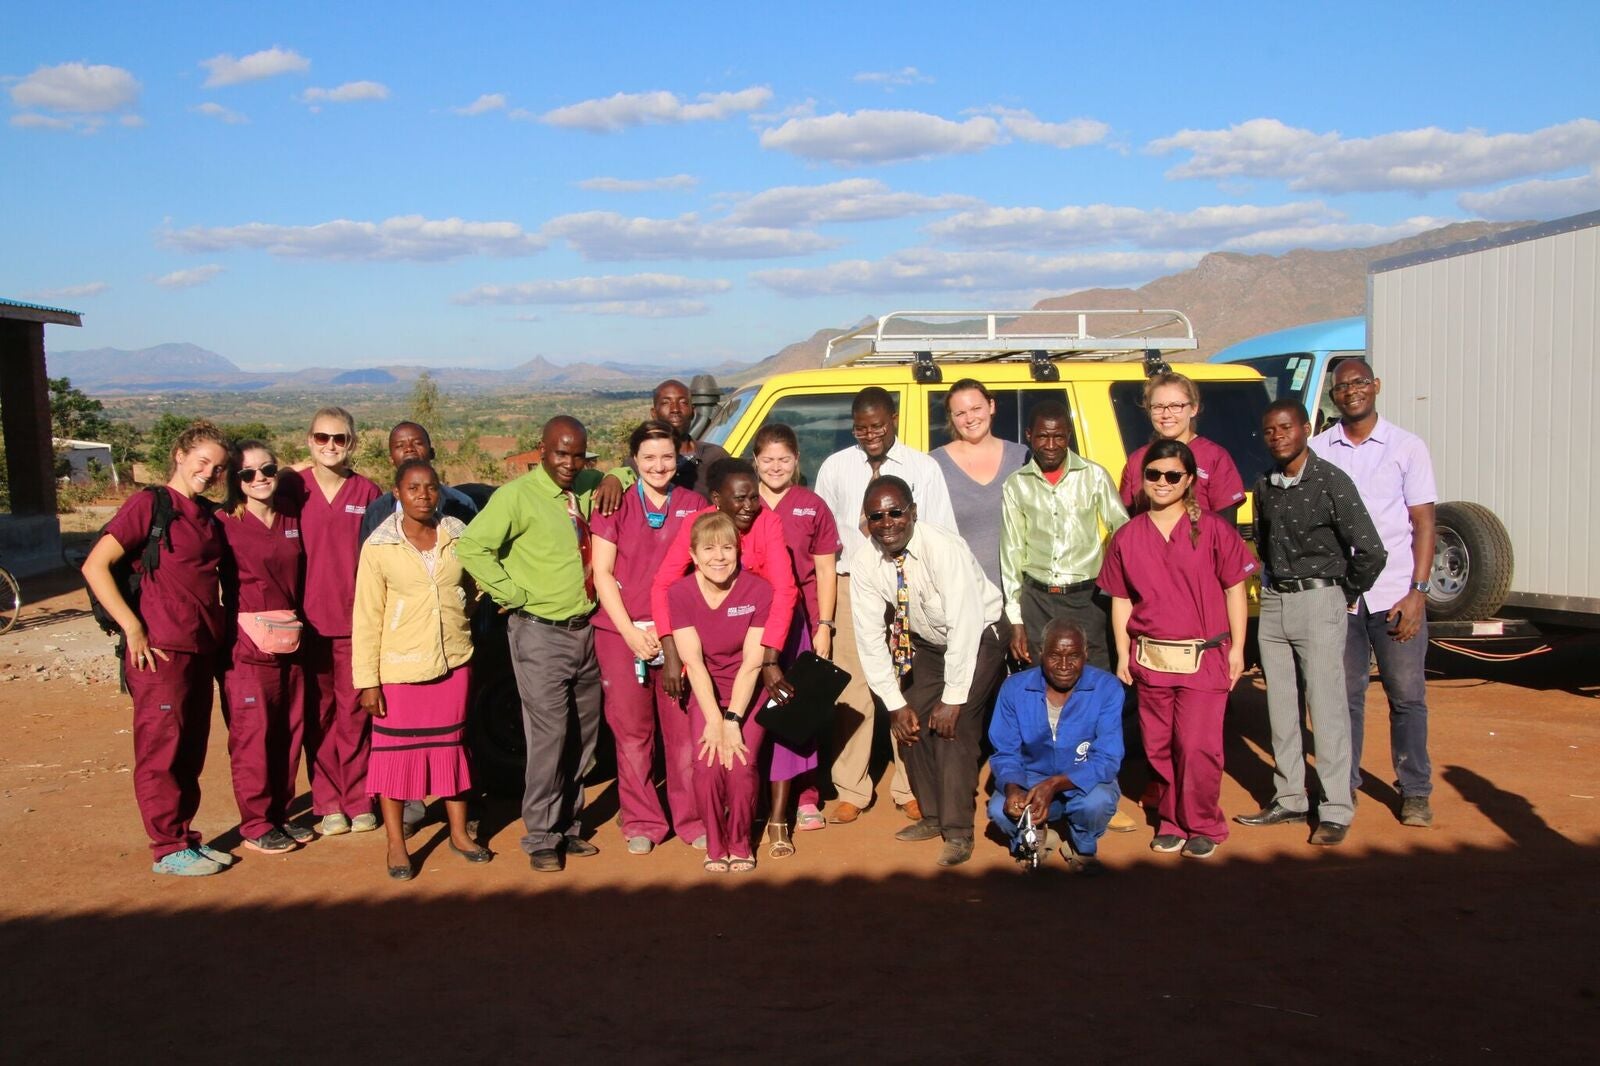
x: 903, y: 337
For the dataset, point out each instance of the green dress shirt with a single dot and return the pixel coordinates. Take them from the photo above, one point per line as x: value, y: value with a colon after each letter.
x: 1056, y: 533
x: 522, y: 548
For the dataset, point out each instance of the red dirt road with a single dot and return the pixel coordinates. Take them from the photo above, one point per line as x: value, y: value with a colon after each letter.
x: 1473, y: 941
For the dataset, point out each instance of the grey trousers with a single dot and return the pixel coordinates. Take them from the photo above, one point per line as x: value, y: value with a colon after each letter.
x: 944, y: 773
x: 1087, y: 607
x: 558, y: 679
x: 1302, y: 637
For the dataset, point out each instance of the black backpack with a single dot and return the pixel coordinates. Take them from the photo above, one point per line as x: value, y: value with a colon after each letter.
x: 131, y: 569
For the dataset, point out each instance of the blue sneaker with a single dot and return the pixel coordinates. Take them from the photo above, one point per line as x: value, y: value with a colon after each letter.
x: 186, y: 863
x: 216, y: 855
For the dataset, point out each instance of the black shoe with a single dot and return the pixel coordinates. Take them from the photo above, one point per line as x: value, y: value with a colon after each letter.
x: 546, y: 861
x: 1167, y: 843
x: 955, y: 852
x: 1273, y: 813
x: 1416, y: 811
x: 918, y: 831
x: 1328, y: 834
x: 1199, y: 847
x: 579, y: 848
x: 478, y: 854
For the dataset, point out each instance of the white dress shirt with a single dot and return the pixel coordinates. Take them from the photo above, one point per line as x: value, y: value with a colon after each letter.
x: 843, y: 478
x: 952, y: 602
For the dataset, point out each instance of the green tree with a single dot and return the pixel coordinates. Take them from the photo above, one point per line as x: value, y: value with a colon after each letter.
x: 127, y: 445
x: 237, y: 431
x: 74, y: 415
x: 163, y: 436
x: 425, y: 402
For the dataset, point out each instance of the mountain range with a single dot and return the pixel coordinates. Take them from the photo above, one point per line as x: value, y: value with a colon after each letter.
x: 1227, y: 296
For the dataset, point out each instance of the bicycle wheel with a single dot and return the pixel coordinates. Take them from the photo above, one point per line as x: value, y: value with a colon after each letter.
x: 10, y: 600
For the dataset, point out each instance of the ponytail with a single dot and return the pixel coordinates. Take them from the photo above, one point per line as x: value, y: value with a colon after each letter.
x: 1192, y: 509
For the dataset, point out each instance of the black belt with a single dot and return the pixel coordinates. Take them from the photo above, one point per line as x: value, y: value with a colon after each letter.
x: 1302, y: 584
x: 577, y: 621
x: 1056, y: 590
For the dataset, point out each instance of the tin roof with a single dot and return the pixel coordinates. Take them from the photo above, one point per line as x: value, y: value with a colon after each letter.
x: 27, y: 312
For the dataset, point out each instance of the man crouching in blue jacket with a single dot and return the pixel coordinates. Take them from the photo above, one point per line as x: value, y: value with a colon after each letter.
x: 1057, y: 738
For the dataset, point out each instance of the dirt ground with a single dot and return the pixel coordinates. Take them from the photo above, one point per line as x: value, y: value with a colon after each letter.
x: 1473, y: 941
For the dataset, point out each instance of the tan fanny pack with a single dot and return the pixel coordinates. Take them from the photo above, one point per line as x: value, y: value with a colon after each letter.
x: 274, y: 632
x: 1174, y: 656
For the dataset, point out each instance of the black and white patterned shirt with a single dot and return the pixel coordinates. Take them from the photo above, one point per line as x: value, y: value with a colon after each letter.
x: 1317, y: 526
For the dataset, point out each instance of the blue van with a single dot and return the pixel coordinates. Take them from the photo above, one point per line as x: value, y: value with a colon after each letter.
x: 1299, y: 362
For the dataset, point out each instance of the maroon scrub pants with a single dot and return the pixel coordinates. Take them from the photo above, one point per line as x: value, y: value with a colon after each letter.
x: 171, y: 724
x: 631, y: 710
x: 727, y: 798
x: 264, y: 706
x: 1183, y: 741
x: 338, y: 735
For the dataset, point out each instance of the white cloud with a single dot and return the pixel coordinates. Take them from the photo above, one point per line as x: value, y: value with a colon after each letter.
x: 1417, y: 160
x: 131, y: 121
x: 889, y: 78
x: 927, y: 270
x: 71, y: 292
x: 607, y: 235
x: 1043, y: 228
x: 673, y: 182
x: 211, y: 109
x: 1333, y: 235
x: 618, y: 112
x: 1074, y: 133
x: 31, y: 121
x: 646, y: 308
x: 1539, y: 199
x: 188, y: 279
x: 77, y: 88
x: 349, y: 92
x: 402, y: 237
x: 851, y: 200
x: 880, y: 136
x: 483, y: 105
x: 612, y: 287
x: 269, y: 63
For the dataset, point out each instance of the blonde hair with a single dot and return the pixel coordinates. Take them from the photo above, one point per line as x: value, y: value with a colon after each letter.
x: 200, y: 431
x: 713, y: 527
x: 341, y: 414
x: 1172, y: 377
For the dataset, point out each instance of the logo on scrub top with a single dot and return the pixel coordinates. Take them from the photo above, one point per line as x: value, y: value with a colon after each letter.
x: 355, y: 508
x: 291, y: 534
x: 1083, y: 750
x: 741, y: 610
x: 804, y: 512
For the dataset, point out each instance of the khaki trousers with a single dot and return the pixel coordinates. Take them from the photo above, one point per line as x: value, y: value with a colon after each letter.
x: 854, y: 719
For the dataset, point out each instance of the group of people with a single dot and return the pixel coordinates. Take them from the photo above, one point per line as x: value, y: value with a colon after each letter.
x: 994, y: 600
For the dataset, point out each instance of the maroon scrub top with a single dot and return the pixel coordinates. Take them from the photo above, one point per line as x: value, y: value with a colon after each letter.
x: 332, y: 535
x: 722, y: 629
x: 1177, y: 589
x: 179, y: 603
x: 1216, y: 484
x: 265, y: 572
x: 810, y: 530
x: 640, y: 549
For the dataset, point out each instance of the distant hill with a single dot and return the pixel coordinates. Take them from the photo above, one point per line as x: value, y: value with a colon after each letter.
x: 191, y: 366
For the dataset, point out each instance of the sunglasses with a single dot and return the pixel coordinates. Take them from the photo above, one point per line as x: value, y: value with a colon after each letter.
x: 1172, y: 477
x: 893, y: 512
x: 338, y: 440
x: 268, y: 471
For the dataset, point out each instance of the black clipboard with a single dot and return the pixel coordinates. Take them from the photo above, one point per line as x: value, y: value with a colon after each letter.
x: 817, y: 687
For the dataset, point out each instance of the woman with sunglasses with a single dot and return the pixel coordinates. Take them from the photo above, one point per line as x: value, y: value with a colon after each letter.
x: 1176, y: 578
x: 331, y: 500
x: 263, y: 684
x: 627, y: 546
x: 722, y: 610
x: 1173, y: 402
x: 813, y: 541
x: 173, y: 636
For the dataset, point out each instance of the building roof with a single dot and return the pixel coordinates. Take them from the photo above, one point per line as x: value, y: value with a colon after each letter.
x: 27, y: 312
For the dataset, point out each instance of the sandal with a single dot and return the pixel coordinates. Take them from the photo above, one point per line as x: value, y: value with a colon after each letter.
x: 781, y: 846
x: 810, y: 819
x: 741, y: 865
x: 715, y: 866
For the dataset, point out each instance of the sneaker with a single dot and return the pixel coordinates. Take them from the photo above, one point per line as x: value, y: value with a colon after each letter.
x: 640, y: 845
x: 1415, y: 810
x: 185, y: 863
x: 698, y: 843
x: 298, y: 833
x: 1200, y: 847
x: 363, y: 823
x: 1167, y: 843
x: 216, y: 855
x: 1052, y: 841
x: 333, y: 825
x: 271, y: 842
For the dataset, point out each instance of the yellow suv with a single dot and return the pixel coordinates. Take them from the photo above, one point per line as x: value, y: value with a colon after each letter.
x: 1022, y: 357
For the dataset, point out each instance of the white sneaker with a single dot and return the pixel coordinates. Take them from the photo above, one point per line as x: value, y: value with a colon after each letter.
x: 216, y: 855
x: 363, y: 823
x: 333, y: 825
x: 640, y: 846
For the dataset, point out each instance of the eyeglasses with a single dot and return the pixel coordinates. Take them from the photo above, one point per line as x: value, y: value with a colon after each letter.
x: 1169, y: 408
x: 338, y: 440
x: 1353, y: 385
x: 268, y: 471
x: 893, y: 512
x: 868, y: 431
x: 1171, y: 477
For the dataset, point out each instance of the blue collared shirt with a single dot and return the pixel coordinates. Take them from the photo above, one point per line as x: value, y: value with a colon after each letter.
x: 1087, y: 746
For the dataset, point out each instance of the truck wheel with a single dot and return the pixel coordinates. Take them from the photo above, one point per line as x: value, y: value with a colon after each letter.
x: 494, y: 732
x: 1472, y: 563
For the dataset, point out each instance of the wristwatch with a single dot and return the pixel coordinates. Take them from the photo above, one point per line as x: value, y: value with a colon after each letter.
x: 1423, y: 587
x: 729, y: 716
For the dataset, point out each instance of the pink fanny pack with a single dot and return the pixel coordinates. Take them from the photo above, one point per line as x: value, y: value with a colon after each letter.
x: 274, y: 632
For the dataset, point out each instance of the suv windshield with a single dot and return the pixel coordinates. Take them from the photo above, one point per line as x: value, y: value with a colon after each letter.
x: 1287, y: 375
x: 1231, y: 416
x: 727, y: 415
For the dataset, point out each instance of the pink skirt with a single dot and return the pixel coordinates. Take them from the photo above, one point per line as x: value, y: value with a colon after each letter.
x: 419, y: 747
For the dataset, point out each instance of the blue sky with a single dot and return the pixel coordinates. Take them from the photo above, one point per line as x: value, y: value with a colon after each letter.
x: 314, y: 184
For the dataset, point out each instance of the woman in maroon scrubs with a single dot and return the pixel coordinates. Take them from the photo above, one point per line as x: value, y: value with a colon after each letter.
x: 331, y: 500
x: 263, y: 687
x: 173, y: 639
x: 628, y: 546
x: 1176, y: 574
x: 719, y: 612
x: 1173, y: 402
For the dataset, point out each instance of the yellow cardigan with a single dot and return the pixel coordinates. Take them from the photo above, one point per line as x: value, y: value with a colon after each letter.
x: 408, y: 626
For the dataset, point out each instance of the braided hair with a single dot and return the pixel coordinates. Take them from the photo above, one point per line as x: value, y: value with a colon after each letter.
x: 1176, y: 449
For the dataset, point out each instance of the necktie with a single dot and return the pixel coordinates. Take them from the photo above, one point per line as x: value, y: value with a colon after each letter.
x: 901, y: 639
x: 581, y: 528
